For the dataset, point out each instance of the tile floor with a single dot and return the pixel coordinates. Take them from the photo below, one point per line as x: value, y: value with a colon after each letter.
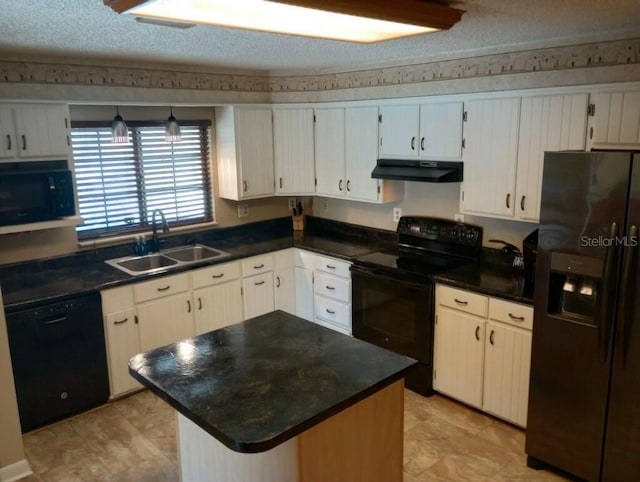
x: 133, y: 440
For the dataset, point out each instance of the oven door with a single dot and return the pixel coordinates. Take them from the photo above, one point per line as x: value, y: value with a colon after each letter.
x: 393, y: 313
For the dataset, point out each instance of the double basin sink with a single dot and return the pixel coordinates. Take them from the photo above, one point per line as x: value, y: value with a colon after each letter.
x: 171, y: 258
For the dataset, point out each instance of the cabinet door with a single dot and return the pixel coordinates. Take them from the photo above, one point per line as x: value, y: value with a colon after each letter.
x: 165, y: 320
x: 361, y: 153
x: 304, y: 293
x: 122, y: 343
x: 42, y: 130
x: 458, y: 355
x: 441, y: 131
x: 8, y: 145
x: 254, y: 140
x: 284, y: 290
x: 547, y: 123
x: 217, y: 306
x: 293, y: 151
x: 330, y: 152
x: 257, y: 293
x: 399, y: 131
x: 506, y: 372
x: 490, y: 156
x: 616, y: 121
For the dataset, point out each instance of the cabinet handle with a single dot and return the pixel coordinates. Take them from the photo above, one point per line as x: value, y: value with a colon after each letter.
x: 24, y: 142
x: 330, y: 288
x: 340, y: 185
x: 164, y: 289
x: 516, y: 318
x: 258, y: 283
x: 217, y: 276
x: 491, y: 337
x: 478, y: 333
x: 461, y: 302
x: 260, y: 266
x: 199, y: 304
x: 9, y: 146
x: 331, y: 266
x: 135, y: 319
x: 348, y: 186
x: 422, y: 144
x: 508, y: 201
x: 121, y: 321
x: 277, y: 281
x: 244, y: 186
x: 280, y: 183
x: 413, y: 143
x: 522, y: 203
x: 331, y: 312
x: 188, y: 306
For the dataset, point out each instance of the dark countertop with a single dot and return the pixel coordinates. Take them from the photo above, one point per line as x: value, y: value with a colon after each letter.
x: 29, y: 284
x: 258, y: 383
x: 489, y: 279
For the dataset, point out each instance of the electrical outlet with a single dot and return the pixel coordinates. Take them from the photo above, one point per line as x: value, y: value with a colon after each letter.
x: 397, y: 214
x: 458, y: 217
x: 243, y: 210
x: 292, y: 203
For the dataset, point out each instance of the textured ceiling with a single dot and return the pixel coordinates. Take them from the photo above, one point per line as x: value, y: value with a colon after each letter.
x: 88, y: 29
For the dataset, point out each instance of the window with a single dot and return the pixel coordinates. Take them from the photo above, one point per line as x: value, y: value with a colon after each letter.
x: 120, y: 185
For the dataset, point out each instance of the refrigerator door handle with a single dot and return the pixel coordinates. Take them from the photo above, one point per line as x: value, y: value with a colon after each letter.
x: 604, y: 318
x: 627, y: 286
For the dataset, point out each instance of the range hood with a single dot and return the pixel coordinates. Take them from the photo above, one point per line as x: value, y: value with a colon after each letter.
x: 417, y: 170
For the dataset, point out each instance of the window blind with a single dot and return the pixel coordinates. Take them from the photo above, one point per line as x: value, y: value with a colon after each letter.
x: 120, y: 185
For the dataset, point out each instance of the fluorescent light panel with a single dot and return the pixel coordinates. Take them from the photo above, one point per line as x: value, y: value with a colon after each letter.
x: 277, y: 18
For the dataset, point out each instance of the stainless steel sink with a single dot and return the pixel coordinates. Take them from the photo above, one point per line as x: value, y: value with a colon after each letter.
x: 198, y: 252
x: 172, y: 258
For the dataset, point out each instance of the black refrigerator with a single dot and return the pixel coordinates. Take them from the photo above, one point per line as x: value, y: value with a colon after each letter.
x: 584, y: 400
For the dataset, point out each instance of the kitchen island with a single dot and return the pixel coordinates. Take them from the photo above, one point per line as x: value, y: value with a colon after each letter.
x: 278, y: 398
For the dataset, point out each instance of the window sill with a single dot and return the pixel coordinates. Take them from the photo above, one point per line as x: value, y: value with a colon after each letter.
x: 129, y: 238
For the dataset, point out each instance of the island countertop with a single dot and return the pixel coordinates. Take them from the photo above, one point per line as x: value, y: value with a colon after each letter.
x: 258, y: 383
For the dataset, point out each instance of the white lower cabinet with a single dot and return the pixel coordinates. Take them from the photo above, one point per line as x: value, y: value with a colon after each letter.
x: 284, y: 283
x: 482, y: 352
x: 257, y: 285
x: 121, y: 336
x: 217, y: 296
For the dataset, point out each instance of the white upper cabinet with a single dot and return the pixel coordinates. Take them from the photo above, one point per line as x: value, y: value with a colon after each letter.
x: 293, y: 151
x: 490, y: 156
x: 330, y: 152
x: 244, y: 142
x: 34, y: 131
x: 346, y: 153
x: 615, y: 120
x: 547, y: 123
x: 431, y: 131
x: 399, y: 131
x: 441, y: 131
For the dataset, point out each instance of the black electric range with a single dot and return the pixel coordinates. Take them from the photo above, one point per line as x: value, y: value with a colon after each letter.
x: 393, y: 290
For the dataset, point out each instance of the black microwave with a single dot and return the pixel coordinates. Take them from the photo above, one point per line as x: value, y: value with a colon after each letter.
x: 37, y: 195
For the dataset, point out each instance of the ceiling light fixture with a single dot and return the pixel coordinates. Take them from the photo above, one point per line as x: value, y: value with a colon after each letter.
x: 363, y: 21
x: 172, y: 130
x: 119, y: 129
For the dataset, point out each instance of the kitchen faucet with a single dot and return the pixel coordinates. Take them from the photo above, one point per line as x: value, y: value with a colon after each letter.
x: 155, y: 243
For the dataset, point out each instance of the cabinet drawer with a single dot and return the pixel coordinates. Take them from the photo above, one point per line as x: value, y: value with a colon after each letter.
x: 515, y: 314
x: 337, y: 313
x: 157, y: 288
x: 213, y: 275
x: 333, y: 266
x: 462, y: 300
x: 257, y: 265
x: 332, y: 287
x: 332, y: 326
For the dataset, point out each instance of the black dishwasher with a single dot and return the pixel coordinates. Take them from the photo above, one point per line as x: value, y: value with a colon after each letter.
x: 59, y: 359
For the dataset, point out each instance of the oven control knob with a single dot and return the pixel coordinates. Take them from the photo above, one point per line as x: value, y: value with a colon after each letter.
x: 386, y: 339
